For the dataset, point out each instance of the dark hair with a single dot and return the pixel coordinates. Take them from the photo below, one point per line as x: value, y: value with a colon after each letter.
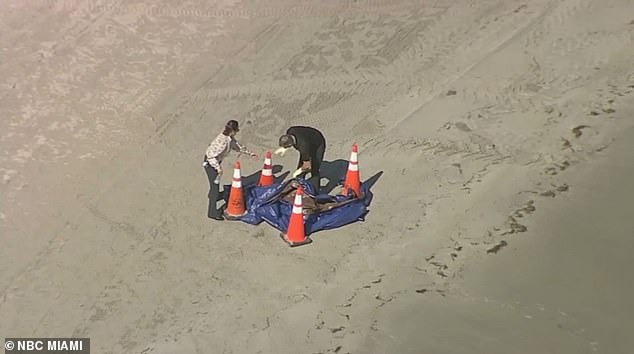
x: 286, y: 141
x: 231, y: 127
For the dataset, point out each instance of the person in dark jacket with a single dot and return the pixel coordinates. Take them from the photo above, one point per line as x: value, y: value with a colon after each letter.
x: 311, y: 145
x: 215, y: 153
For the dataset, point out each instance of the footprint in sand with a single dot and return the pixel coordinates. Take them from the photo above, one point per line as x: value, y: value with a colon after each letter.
x: 495, y: 249
x: 577, y: 130
x: 462, y: 126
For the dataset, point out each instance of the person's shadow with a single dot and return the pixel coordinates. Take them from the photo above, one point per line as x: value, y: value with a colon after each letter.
x: 334, y: 172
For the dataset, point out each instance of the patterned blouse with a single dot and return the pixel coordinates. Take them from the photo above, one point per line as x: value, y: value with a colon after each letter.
x: 219, y: 149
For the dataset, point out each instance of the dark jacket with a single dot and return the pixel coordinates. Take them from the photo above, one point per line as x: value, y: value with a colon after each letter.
x: 308, y: 141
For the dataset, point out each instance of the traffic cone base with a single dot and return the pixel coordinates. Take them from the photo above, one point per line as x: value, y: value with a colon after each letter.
x: 284, y: 238
x: 235, y: 204
x: 233, y: 215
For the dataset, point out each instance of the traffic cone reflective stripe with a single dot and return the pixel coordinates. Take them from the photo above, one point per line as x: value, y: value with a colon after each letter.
x: 352, y: 181
x: 298, y: 207
x: 235, y: 205
x: 353, y: 166
x: 237, y: 178
x: 266, y: 178
x: 295, y: 234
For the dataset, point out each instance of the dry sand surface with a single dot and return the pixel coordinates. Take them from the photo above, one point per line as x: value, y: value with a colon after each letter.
x: 494, y: 123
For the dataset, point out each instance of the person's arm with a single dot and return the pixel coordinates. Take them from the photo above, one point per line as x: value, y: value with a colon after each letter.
x: 236, y: 146
x: 304, y: 155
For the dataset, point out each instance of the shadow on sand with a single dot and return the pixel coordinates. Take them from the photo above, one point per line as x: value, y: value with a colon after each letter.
x: 333, y: 171
x: 255, y: 177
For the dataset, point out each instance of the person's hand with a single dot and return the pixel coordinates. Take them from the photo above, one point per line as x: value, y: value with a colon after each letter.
x: 306, y: 165
x: 281, y: 151
x: 218, y: 176
x: 297, y: 172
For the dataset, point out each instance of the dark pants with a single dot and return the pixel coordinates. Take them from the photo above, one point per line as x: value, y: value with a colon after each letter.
x: 214, y: 192
x: 316, y: 158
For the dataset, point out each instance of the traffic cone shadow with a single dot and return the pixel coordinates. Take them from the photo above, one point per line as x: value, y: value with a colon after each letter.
x: 368, y: 184
x: 254, y: 178
x: 251, y: 179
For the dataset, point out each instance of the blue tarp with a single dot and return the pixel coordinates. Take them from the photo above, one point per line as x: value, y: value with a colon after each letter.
x: 267, y: 204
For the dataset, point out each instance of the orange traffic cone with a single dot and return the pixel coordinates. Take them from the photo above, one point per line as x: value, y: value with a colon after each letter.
x: 353, y: 182
x: 295, y: 234
x: 266, y: 178
x: 235, y: 205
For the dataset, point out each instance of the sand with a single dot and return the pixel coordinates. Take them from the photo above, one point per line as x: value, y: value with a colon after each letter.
x: 492, y: 127
x: 560, y: 287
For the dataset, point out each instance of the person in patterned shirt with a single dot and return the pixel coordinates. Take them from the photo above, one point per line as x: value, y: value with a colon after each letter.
x: 216, y: 152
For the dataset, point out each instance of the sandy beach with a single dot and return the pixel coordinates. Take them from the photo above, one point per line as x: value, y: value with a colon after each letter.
x: 559, y: 287
x: 499, y: 133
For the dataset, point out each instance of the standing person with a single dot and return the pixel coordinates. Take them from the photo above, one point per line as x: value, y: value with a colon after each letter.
x: 311, y: 145
x: 216, y: 152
